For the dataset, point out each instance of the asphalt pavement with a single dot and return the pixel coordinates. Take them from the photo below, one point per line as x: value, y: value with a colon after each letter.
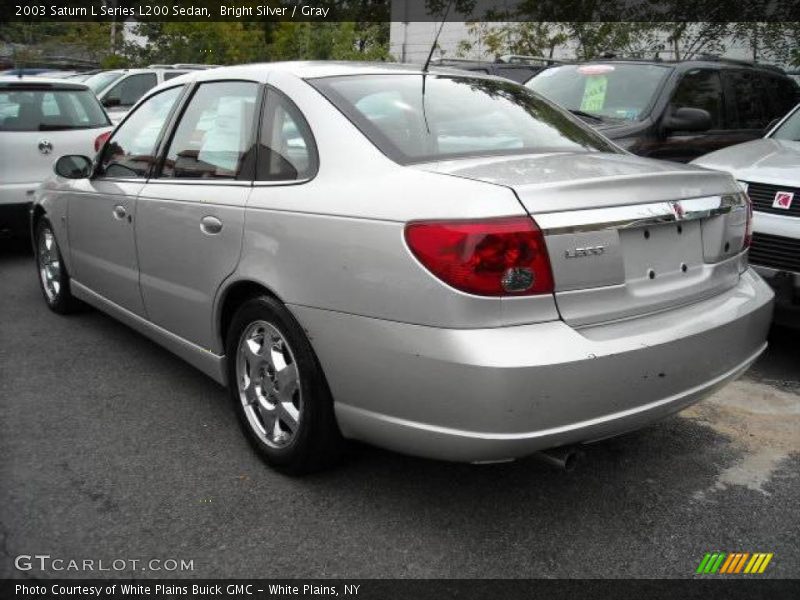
x: 113, y: 449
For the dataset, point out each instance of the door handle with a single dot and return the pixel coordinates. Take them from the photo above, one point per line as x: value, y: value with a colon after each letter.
x: 120, y: 212
x: 210, y: 225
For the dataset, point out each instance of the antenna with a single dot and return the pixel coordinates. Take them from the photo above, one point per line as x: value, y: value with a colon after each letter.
x: 436, y: 39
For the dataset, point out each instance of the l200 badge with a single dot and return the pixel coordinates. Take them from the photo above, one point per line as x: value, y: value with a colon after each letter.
x: 581, y: 252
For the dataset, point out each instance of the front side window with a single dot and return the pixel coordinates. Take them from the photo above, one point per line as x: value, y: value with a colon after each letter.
x: 131, y: 151
x: 286, y: 151
x: 608, y: 91
x: 417, y: 118
x: 31, y: 109
x: 128, y: 91
x: 701, y: 88
x: 214, y: 133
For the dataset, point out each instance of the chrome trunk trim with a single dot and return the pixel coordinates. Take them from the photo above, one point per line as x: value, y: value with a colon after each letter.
x: 639, y: 215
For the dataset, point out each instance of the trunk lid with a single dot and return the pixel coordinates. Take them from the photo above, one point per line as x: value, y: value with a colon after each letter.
x: 626, y: 235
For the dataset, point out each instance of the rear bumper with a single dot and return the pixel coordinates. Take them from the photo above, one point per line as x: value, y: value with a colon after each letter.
x: 786, y: 285
x: 491, y: 394
x: 15, y: 203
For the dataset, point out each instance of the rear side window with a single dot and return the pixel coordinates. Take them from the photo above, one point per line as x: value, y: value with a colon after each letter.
x: 701, y: 88
x: 49, y: 110
x: 131, y: 150
x: 782, y: 95
x: 173, y: 74
x: 214, y: 133
x: 286, y: 150
x: 748, y: 102
x: 128, y: 91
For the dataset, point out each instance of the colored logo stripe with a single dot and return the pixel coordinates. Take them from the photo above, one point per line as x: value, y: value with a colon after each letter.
x: 735, y: 562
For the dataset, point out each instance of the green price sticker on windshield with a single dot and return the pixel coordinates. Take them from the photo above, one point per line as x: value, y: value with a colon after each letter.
x: 594, y: 94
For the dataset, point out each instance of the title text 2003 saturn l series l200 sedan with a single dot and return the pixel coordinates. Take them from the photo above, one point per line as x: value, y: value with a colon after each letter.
x: 438, y: 263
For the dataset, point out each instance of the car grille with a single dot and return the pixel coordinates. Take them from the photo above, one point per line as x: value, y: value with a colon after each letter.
x: 776, y: 252
x: 762, y: 196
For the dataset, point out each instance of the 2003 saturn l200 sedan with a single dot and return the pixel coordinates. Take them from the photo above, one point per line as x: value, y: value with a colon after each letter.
x: 438, y: 263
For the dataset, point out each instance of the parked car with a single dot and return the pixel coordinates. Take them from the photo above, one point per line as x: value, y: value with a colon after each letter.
x: 769, y: 169
x: 443, y: 264
x: 515, y: 68
x: 40, y: 119
x: 672, y: 110
x: 120, y: 89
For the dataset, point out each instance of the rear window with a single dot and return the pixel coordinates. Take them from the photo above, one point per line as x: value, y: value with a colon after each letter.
x: 416, y: 118
x: 49, y: 110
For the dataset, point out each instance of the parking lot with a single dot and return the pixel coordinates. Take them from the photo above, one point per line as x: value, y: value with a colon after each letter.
x: 111, y: 448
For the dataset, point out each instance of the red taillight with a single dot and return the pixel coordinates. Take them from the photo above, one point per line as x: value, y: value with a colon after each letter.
x: 492, y: 257
x: 100, y: 141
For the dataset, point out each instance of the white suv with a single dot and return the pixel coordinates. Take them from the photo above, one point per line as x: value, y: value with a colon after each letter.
x: 40, y: 120
x: 120, y: 89
x: 769, y: 169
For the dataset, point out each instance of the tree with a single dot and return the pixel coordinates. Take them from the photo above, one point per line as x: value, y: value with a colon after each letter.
x: 526, y: 38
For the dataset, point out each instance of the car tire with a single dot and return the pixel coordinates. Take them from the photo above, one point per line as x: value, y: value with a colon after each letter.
x: 53, y: 275
x: 279, y: 390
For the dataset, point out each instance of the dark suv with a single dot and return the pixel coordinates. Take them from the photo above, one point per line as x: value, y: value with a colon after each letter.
x: 672, y: 110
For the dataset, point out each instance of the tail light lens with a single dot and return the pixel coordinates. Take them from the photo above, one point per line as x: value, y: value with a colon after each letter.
x: 492, y: 257
x: 100, y: 140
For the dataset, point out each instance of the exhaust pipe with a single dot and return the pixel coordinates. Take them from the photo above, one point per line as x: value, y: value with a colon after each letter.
x: 564, y: 458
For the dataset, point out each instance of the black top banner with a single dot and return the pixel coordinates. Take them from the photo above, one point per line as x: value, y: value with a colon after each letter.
x: 378, y: 11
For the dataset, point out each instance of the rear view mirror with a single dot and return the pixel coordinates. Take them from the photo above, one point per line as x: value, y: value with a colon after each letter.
x: 688, y: 119
x: 73, y: 166
x: 111, y: 101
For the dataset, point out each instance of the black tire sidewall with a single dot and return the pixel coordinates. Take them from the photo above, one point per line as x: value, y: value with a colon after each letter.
x: 317, y: 440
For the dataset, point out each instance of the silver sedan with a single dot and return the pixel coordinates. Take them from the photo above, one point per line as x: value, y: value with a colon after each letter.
x: 440, y: 263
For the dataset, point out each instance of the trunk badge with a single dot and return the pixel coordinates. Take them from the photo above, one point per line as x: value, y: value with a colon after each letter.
x: 677, y: 210
x: 45, y: 147
x: 588, y: 251
x: 783, y: 200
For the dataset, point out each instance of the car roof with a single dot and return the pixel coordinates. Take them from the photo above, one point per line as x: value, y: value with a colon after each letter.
x: 690, y: 63
x: 31, y: 82
x: 318, y: 69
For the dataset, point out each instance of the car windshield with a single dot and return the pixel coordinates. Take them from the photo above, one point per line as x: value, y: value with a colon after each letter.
x: 617, y: 91
x: 100, y: 81
x: 48, y: 109
x: 790, y: 130
x: 418, y: 118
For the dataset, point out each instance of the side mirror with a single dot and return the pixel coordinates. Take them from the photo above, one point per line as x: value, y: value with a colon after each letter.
x: 111, y: 101
x: 688, y: 119
x: 73, y: 166
x: 772, y: 124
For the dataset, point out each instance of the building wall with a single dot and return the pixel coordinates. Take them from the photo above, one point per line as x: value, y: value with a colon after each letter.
x: 411, y: 42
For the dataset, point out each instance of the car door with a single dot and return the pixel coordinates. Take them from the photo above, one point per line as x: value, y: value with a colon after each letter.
x: 697, y: 88
x: 102, y: 210
x: 190, y: 218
